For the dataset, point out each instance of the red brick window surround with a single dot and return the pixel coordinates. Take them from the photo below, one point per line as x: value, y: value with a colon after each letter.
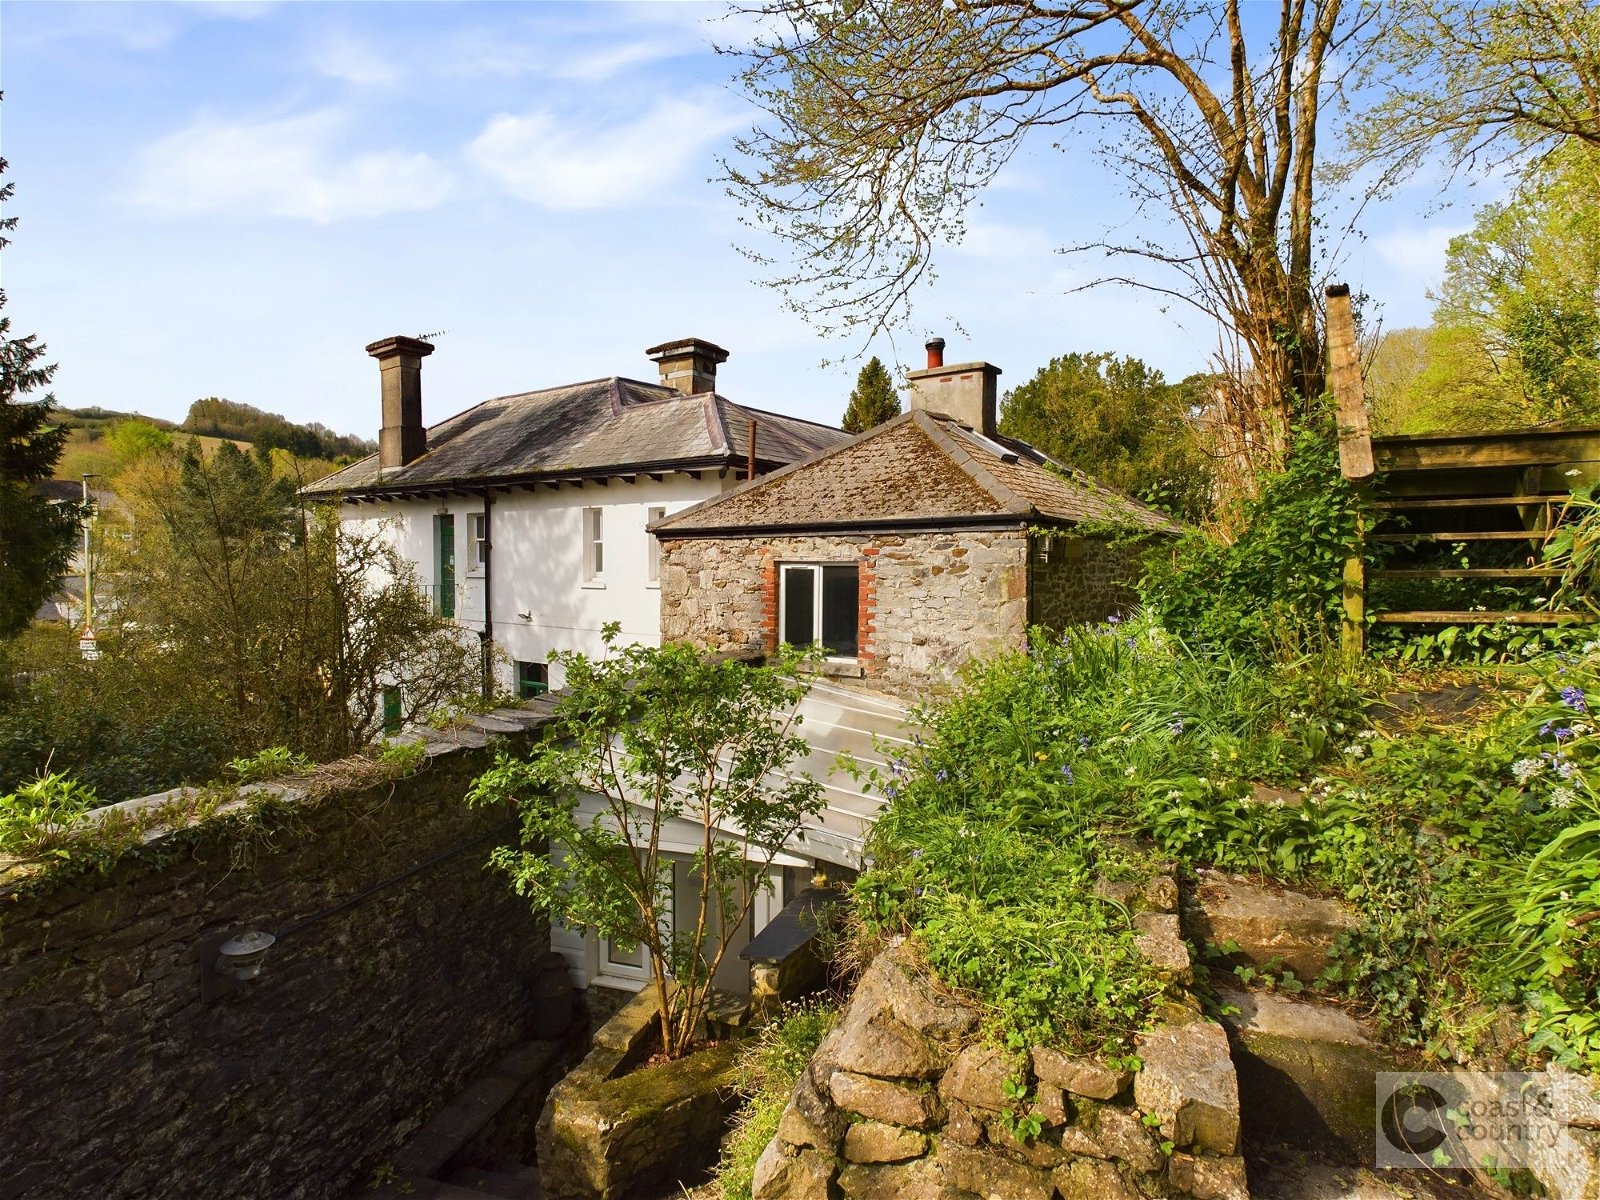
x: 828, y: 602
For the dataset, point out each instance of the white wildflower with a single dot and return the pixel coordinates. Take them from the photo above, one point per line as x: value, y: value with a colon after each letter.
x: 1562, y: 797
x: 1355, y: 750
x: 1526, y: 768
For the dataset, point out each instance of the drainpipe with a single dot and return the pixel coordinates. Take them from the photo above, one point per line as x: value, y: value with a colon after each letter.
x: 488, y: 594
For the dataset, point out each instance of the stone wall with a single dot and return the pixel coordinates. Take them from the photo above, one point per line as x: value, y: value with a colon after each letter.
x: 928, y: 602
x: 1081, y: 579
x: 904, y: 1098
x: 614, y: 1129
x: 120, y: 1081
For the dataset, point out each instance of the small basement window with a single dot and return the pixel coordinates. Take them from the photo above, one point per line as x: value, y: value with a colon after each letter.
x: 821, y: 606
x: 533, y: 679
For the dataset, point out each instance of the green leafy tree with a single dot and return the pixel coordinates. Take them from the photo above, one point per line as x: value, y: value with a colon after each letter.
x: 873, y: 401
x: 659, y: 734
x: 1119, y: 421
x: 132, y: 439
x: 36, y: 536
x: 289, y: 625
x: 1484, y: 82
x: 886, y: 121
x: 1516, y: 335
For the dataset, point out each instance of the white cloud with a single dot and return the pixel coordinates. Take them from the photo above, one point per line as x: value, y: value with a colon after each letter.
x: 340, y: 56
x: 290, y: 167
x: 564, y: 164
x: 1417, y: 252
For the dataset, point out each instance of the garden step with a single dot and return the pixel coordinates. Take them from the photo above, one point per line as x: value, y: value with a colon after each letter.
x: 498, y: 1183
x: 1284, y: 1174
x: 1307, y: 1073
x: 1428, y: 617
x: 1267, y: 926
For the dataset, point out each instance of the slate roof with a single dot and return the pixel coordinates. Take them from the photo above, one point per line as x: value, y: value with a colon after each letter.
x: 585, y: 430
x: 919, y: 469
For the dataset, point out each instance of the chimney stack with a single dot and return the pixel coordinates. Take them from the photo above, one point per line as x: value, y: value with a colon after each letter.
x: 966, y: 392
x: 403, y: 438
x: 688, y: 365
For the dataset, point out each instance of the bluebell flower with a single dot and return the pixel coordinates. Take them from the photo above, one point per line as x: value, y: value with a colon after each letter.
x: 891, y: 791
x: 1083, y: 741
x: 941, y: 776
x: 1113, y: 619
x: 1574, y: 698
x: 1066, y: 771
x: 1177, y: 726
x: 1544, y: 730
x: 1562, y: 734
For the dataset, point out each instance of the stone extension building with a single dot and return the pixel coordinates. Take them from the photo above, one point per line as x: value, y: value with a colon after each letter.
x: 917, y: 546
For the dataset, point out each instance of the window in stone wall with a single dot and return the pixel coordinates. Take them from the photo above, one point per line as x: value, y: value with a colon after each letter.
x: 820, y: 605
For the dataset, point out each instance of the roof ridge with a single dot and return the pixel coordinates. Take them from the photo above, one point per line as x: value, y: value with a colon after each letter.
x: 716, y: 421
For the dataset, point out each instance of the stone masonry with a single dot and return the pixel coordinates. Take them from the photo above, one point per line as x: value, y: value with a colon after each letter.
x: 120, y: 1080
x: 928, y: 601
x: 905, y: 1099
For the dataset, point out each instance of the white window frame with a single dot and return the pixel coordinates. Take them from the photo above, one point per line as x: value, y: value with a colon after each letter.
x: 477, y: 536
x: 594, y: 547
x: 652, y: 562
x: 816, y: 604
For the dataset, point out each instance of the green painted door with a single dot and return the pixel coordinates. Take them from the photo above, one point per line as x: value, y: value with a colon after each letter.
x: 444, y: 544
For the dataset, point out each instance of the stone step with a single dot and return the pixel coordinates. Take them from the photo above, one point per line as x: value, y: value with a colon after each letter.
x: 1266, y: 924
x: 498, y: 1183
x: 1307, y: 1073
x: 1283, y: 1175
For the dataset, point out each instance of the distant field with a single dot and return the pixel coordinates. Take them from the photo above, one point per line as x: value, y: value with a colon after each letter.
x: 88, y: 453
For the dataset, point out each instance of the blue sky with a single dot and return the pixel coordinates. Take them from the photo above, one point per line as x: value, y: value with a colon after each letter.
x: 233, y: 199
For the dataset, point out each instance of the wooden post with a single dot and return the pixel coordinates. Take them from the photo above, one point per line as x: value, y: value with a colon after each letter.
x: 1353, y: 625
x: 1344, y: 377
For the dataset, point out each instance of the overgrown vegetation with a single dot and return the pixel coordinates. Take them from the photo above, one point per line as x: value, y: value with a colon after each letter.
x: 1279, y: 581
x: 768, y: 1069
x: 1472, y: 852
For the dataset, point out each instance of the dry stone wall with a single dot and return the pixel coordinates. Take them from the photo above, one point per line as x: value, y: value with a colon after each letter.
x: 119, y: 1080
x: 905, y: 1099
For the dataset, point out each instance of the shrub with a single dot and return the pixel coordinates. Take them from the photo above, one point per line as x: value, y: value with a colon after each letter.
x: 1282, y: 577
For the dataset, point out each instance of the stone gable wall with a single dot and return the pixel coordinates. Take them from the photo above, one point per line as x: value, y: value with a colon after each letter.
x: 1081, y: 579
x: 928, y: 601
x: 120, y: 1081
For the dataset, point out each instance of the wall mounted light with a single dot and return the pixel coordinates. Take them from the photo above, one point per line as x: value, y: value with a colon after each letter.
x: 235, y: 961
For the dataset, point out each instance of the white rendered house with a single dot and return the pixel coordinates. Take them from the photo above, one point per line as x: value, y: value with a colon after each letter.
x: 526, y: 514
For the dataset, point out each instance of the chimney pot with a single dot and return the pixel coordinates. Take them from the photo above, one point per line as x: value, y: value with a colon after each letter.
x: 403, y: 438
x: 935, y: 348
x: 688, y: 365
